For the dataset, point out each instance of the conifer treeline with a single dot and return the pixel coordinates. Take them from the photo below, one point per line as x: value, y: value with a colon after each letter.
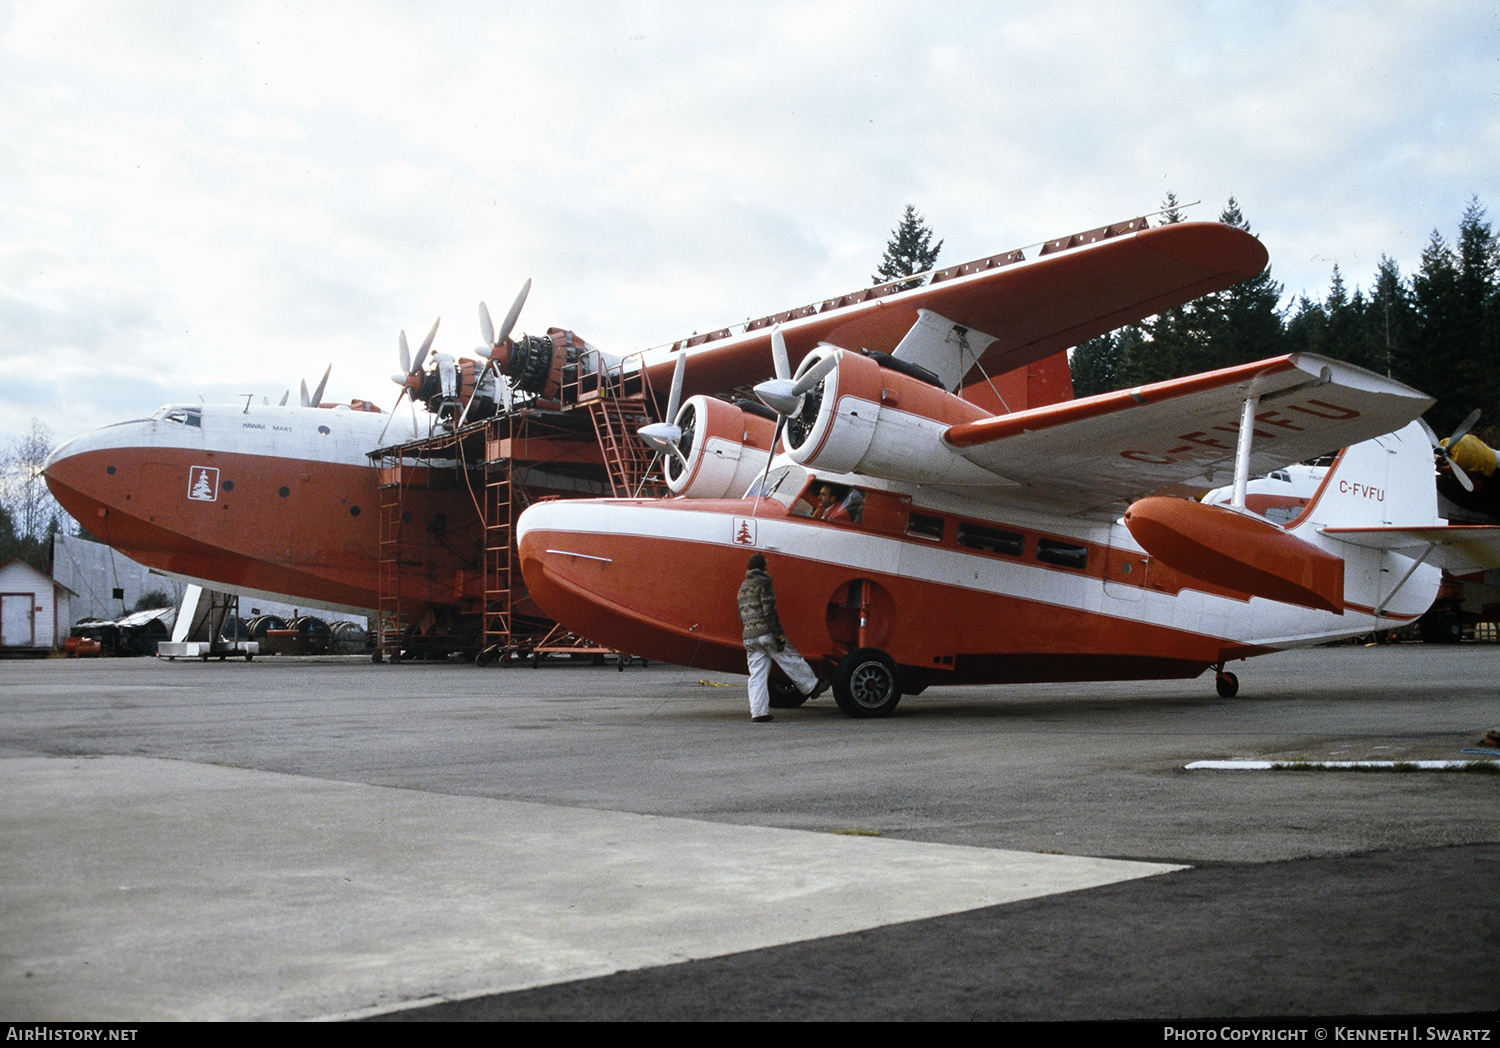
x: 1438, y: 330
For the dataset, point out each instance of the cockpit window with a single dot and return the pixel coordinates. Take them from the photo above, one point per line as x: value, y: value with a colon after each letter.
x: 782, y: 484
x: 183, y: 416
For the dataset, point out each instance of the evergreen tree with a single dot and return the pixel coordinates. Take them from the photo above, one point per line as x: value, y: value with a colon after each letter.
x: 1095, y: 365
x: 1242, y: 323
x: 1165, y: 345
x: 1134, y: 358
x: 1307, y: 328
x: 909, y: 251
x: 1388, y: 318
x: 1478, y: 310
x: 1433, y: 358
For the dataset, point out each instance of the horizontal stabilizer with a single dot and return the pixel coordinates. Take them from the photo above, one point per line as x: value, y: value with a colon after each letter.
x: 1458, y: 548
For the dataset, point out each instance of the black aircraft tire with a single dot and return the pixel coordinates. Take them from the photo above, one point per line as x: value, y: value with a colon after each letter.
x: 785, y: 696
x: 1227, y: 685
x: 866, y: 684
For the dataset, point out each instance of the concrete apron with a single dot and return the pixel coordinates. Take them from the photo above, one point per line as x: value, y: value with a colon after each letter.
x: 136, y: 888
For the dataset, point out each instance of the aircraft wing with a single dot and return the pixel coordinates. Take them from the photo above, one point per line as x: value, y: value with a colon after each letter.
x: 1458, y: 548
x: 1030, y: 308
x: 1179, y: 437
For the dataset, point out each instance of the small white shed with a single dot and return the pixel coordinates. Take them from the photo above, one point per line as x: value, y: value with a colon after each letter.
x: 31, y: 607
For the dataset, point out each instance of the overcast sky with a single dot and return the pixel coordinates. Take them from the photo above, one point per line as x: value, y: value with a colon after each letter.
x: 211, y: 199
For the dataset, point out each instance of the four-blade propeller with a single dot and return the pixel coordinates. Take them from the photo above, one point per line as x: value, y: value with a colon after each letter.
x: 494, y: 340
x: 316, y: 398
x: 411, y: 379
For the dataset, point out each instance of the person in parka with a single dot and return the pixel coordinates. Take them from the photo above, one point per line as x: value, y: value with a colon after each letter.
x: 765, y: 642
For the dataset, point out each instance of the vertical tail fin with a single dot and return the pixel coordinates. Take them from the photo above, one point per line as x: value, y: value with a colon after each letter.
x: 1388, y: 481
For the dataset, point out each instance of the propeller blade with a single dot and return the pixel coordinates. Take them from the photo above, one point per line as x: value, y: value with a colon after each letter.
x: 775, y: 439
x: 284, y: 398
x: 514, y: 314
x: 779, y: 356
x: 815, y: 374
x: 304, y: 393
x: 674, y: 400
x: 317, y: 397
x: 426, y: 345
x: 394, y: 409
x: 1432, y: 438
x: 405, y: 354
x: 486, y: 329
x: 1461, y: 476
x: 1464, y: 427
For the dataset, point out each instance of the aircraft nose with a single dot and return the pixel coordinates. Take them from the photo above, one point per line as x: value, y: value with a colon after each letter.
x: 76, y: 473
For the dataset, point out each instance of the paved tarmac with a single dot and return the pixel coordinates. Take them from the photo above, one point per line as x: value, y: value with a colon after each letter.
x: 316, y: 838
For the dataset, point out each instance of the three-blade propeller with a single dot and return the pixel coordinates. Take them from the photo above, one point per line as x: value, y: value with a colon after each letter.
x: 1443, y: 449
x: 666, y: 437
x: 784, y: 394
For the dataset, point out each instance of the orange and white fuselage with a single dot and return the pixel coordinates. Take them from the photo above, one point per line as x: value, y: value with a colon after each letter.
x: 954, y: 590
x: 276, y: 501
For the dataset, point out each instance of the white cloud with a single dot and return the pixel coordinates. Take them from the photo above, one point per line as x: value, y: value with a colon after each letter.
x: 269, y: 188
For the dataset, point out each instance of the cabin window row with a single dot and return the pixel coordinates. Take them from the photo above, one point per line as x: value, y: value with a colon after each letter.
x: 999, y: 541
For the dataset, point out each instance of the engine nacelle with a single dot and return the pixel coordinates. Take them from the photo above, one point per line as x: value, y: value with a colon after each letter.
x: 726, y: 448
x: 865, y: 418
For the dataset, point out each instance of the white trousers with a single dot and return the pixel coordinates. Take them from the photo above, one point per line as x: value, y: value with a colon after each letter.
x: 760, y: 653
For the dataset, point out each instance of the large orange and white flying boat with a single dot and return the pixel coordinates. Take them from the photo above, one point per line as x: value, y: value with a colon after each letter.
x: 919, y: 539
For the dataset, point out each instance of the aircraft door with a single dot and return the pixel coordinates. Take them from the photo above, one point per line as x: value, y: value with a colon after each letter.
x: 861, y: 614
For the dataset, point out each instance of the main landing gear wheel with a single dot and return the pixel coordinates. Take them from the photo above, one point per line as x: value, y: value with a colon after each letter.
x: 865, y: 684
x: 1226, y: 684
x: 785, y: 696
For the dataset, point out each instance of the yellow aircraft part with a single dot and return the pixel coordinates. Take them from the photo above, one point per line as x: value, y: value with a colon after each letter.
x: 1473, y: 455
